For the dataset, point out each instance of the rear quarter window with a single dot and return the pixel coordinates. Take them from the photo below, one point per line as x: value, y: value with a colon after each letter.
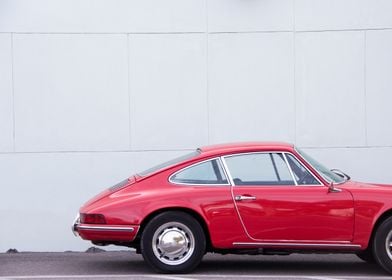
x: 205, y: 173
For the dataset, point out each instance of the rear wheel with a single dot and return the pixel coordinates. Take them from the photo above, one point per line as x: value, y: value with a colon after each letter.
x: 173, y: 242
x: 382, y: 246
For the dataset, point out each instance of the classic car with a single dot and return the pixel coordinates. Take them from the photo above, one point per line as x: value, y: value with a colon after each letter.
x: 245, y: 198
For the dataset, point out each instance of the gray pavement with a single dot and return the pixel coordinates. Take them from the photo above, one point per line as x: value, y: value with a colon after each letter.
x: 129, y: 265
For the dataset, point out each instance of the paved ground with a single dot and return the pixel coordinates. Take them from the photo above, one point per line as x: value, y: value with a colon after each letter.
x: 128, y: 265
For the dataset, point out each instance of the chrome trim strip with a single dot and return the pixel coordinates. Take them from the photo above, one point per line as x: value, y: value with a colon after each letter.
x: 232, y: 196
x: 330, y: 245
x: 321, y: 183
x: 289, y: 167
x: 105, y: 228
x: 277, y: 152
x: 315, y: 169
x: 227, y: 171
x: 190, y: 166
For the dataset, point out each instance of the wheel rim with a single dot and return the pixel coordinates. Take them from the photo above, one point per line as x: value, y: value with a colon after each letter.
x: 173, y: 243
x: 388, y: 244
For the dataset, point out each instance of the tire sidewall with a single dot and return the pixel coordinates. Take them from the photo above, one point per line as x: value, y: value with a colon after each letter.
x: 379, y: 248
x: 179, y: 217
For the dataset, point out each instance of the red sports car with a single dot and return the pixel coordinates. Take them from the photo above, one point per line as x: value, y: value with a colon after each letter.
x: 248, y: 198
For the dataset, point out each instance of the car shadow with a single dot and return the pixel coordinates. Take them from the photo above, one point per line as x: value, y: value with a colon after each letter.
x: 310, y: 264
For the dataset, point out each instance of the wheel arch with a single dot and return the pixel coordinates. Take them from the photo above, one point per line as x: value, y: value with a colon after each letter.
x: 189, y: 211
x: 379, y: 221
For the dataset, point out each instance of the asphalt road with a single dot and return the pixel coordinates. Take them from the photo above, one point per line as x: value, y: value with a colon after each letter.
x: 129, y: 265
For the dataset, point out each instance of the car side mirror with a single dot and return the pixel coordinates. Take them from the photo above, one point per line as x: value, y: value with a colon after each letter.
x: 341, y: 174
x: 333, y: 189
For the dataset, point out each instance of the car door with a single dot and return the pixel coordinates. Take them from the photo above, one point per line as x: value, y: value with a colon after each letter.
x: 280, y: 200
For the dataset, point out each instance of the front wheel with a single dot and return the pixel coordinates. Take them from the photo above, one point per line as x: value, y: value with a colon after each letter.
x: 382, y: 246
x: 173, y: 242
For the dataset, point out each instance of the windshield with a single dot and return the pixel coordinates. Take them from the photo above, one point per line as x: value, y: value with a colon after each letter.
x: 327, y: 174
x: 169, y: 163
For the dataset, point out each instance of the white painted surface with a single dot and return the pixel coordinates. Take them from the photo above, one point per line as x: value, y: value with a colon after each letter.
x: 102, y: 16
x: 342, y: 14
x: 71, y: 92
x: 6, y: 99
x: 254, y: 15
x: 251, y: 93
x: 45, y: 190
x: 362, y: 164
x: 330, y: 89
x: 103, y: 89
x: 168, y: 91
x: 330, y: 14
x: 379, y: 87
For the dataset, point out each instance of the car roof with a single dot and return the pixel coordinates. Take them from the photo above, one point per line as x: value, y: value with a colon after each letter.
x: 245, y: 147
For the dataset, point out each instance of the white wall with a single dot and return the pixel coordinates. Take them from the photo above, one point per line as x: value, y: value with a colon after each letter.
x: 93, y: 91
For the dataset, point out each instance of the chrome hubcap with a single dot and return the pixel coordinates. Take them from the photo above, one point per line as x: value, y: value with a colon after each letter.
x: 388, y: 244
x: 173, y: 243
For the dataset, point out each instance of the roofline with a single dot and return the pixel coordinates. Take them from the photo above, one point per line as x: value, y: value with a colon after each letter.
x: 245, y: 146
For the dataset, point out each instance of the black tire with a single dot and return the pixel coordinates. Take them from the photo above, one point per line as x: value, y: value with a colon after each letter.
x: 173, y: 242
x: 382, y: 247
x: 366, y: 256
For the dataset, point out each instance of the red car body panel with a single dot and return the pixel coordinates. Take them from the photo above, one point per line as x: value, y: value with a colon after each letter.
x: 288, y: 216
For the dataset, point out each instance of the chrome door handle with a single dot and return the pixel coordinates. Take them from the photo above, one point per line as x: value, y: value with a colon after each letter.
x: 244, y: 197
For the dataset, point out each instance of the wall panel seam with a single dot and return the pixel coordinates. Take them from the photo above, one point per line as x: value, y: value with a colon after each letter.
x: 13, y: 94
x: 129, y: 94
x: 364, y: 89
x: 207, y: 75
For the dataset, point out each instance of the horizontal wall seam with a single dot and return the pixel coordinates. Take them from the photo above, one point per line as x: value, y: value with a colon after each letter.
x: 201, y: 32
x: 86, y: 151
x: 184, y: 150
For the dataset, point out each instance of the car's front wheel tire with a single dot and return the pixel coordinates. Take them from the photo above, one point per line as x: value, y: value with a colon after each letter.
x: 173, y: 242
x: 382, y: 246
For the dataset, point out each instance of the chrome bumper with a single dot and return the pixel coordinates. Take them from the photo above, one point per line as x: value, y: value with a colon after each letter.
x: 75, y: 225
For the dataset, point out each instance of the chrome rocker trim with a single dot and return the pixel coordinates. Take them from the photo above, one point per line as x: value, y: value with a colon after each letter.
x: 297, y: 245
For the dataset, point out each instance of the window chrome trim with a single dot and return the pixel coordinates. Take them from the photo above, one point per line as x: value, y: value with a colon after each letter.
x: 343, y: 244
x: 319, y: 173
x: 288, y: 166
x: 321, y: 183
x: 227, y: 171
x: 218, y: 159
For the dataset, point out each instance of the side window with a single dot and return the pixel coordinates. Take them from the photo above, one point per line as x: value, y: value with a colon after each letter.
x: 259, y: 169
x: 205, y: 173
x: 301, y: 174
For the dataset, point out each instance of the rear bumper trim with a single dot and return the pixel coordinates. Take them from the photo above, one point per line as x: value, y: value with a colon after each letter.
x: 103, y: 228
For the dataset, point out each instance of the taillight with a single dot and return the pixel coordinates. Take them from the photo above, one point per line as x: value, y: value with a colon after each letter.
x: 92, y: 219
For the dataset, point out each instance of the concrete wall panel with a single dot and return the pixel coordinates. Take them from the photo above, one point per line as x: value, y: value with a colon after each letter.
x: 168, y: 91
x: 251, y: 87
x: 342, y: 14
x: 256, y: 15
x: 71, y: 92
x: 330, y: 96
x: 359, y: 163
x: 102, y: 16
x: 6, y: 95
x: 379, y: 87
x: 46, y: 191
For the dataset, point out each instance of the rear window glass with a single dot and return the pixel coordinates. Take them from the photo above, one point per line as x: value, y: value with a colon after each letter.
x: 205, y: 173
x: 169, y: 163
